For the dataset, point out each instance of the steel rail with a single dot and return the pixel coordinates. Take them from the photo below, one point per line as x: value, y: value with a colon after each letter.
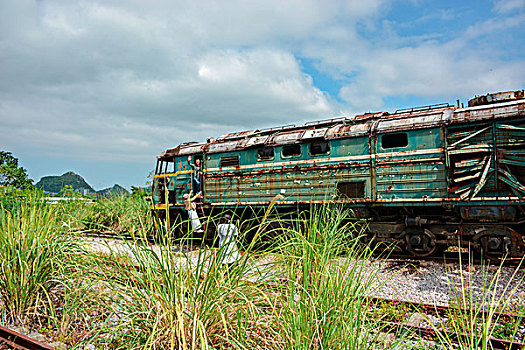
x: 438, y: 310
x: 15, y: 340
x: 441, y: 310
x: 453, y: 258
x: 430, y: 333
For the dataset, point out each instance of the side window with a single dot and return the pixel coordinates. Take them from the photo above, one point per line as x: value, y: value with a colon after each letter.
x: 321, y: 147
x: 291, y: 150
x: 229, y: 161
x: 162, y: 167
x: 265, y: 153
x: 394, y: 140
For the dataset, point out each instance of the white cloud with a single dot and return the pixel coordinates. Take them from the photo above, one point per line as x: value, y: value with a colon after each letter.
x: 507, y: 6
x: 103, y: 80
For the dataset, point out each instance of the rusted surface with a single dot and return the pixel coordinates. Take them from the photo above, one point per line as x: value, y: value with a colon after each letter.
x: 16, y: 340
x: 314, y: 133
x: 412, y: 122
x: 348, y: 130
x: 495, y: 97
x: 237, y: 135
x: 360, y: 125
x: 480, y: 113
x: 227, y: 146
x: 286, y: 137
x: 255, y: 140
x: 183, y: 149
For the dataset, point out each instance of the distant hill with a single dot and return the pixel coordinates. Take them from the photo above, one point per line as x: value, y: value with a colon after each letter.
x: 54, y: 184
x: 110, y: 191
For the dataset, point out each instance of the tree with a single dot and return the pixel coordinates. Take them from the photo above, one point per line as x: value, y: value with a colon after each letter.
x: 11, y: 174
x: 67, y: 191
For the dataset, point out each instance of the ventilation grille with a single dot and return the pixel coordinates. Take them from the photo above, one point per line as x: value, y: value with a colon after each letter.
x: 229, y: 161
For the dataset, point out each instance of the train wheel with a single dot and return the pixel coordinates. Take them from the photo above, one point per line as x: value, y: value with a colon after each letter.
x: 421, y: 242
x: 498, y: 242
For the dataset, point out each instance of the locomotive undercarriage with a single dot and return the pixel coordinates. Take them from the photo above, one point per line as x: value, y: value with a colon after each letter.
x: 429, y: 236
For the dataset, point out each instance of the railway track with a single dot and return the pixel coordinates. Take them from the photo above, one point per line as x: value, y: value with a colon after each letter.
x: 452, y: 257
x: 112, y: 235
x: 392, y: 258
x: 10, y: 339
x: 428, y: 332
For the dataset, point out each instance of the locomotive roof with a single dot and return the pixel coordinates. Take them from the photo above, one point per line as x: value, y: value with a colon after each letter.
x: 359, y: 125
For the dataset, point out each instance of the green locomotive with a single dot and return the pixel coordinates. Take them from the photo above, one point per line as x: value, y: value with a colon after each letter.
x: 427, y: 178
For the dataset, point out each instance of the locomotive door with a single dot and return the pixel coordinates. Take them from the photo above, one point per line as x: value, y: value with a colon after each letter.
x: 198, y: 179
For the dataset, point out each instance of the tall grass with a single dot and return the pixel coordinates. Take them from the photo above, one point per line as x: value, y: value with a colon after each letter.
x: 34, y: 256
x: 120, y: 214
x: 166, y: 299
x: 325, y: 302
x: 182, y: 300
x: 308, y: 290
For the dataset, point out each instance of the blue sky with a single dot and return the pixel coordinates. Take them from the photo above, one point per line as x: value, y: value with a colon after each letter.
x: 102, y: 87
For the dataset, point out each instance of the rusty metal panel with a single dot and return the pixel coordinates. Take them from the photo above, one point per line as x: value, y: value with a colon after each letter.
x: 255, y: 141
x: 295, y: 183
x: 314, y: 133
x: 286, y: 137
x: 183, y: 149
x: 419, y: 178
x: 410, y: 123
x: 471, y: 167
x: 227, y: 146
x: 350, y: 130
x: 496, y: 97
x: 487, y: 112
x: 368, y: 116
x: 236, y: 135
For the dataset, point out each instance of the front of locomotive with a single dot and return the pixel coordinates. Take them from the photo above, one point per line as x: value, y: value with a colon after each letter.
x: 172, y: 179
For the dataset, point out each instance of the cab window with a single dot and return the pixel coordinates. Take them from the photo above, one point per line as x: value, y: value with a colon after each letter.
x: 321, y: 147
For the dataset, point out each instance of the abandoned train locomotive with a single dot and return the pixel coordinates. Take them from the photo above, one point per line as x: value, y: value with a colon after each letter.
x: 427, y: 177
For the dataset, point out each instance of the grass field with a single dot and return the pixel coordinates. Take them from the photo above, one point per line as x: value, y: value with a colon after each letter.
x: 306, y: 290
